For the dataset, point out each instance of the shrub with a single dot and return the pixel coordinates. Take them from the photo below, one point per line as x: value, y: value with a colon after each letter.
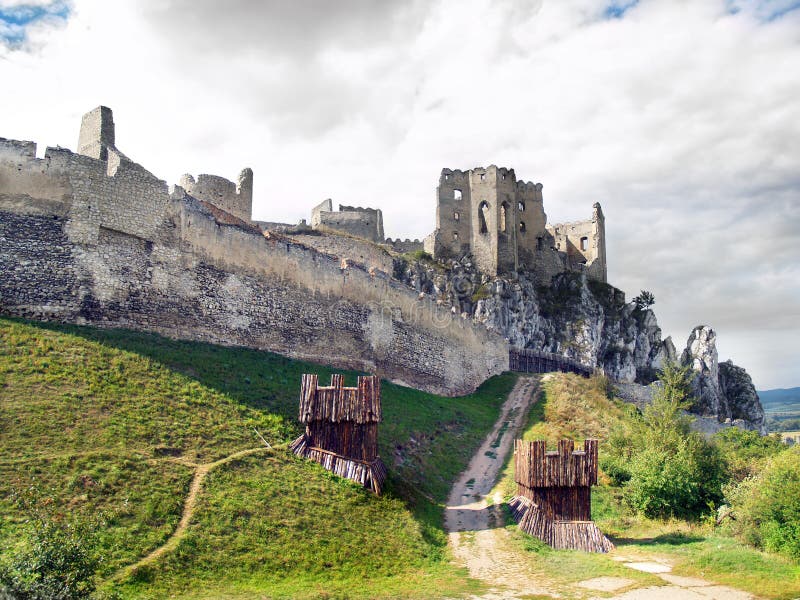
x: 666, y: 469
x: 56, y: 561
x: 766, y: 506
x: 746, y: 452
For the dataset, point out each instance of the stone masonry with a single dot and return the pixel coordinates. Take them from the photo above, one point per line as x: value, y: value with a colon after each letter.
x: 97, y: 239
x: 500, y: 221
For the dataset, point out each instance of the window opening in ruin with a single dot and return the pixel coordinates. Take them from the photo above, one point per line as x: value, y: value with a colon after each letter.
x: 455, y: 236
x: 558, y: 245
x: 584, y: 243
x: 483, y: 210
x: 457, y: 194
x: 483, y: 176
x: 521, y: 206
x: 522, y: 226
x: 447, y: 177
x: 539, y: 243
x: 504, y: 176
x: 503, y: 217
x: 456, y: 216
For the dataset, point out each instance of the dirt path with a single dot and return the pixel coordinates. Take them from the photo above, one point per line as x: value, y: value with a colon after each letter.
x: 481, y: 543
x: 188, y: 509
x: 475, y: 528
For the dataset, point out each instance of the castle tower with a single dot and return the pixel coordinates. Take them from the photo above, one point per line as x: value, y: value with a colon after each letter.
x: 97, y: 133
x: 599, y: 267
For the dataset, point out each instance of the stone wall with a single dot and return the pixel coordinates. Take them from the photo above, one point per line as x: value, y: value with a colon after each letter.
x: 236, y: 199
x: 88, y: 241
x: 366, y: 223
x: 357, y: 252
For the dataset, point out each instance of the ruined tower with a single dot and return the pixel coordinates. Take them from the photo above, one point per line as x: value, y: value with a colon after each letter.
x: 500, y: 221
x: 97, y: 133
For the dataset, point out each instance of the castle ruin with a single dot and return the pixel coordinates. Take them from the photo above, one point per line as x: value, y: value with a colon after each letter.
x: 95, y: 238
x: 501, y: 223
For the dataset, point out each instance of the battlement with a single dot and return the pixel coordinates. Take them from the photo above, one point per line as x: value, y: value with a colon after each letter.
x: 14, y: 149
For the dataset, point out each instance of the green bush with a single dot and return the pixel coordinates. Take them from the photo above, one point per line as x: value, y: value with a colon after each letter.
x: 746, y: 452
x: 766, y: 506
x: 665, y: 469
x: 57, y: 562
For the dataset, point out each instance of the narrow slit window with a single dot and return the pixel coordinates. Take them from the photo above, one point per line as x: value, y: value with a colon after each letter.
x: 539, y: 243
x: 521, y: 206
x: 456, y: 194
x: 584, y: 243
x: 503, y: 217
x: 483, y: 211
x: 522, y: 226
x: 455, y: 236
x: 456, y: 216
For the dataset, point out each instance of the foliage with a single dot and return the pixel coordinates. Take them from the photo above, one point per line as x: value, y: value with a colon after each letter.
x: 666, y: 469
x: 746, y: 451
x: 55, y: 561
x: 766, y: 506
x: 644, y: 300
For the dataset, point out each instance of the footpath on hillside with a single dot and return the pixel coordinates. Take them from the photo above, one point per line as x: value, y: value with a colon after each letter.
x: 481, y: 543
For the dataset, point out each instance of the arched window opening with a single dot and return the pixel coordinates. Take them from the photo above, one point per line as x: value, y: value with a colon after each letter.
x: 456, y: 194
x: 455, y: 236
x: 503, y: 217
x: 521, y: 206
x: 539, y: 243
x: 456, y: 216
x: 522, y: 226
x: 483, y: 211
x: 584, y: 243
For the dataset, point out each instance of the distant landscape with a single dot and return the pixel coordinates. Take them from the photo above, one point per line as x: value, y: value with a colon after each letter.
x: 782, y: 409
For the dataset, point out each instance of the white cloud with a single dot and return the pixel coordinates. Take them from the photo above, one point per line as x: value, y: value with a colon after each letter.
x: 680, y: 118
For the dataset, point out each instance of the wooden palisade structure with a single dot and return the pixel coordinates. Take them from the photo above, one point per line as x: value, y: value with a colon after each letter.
x: 342, y: 428
x: 527, y: 360
x: 553, y: 500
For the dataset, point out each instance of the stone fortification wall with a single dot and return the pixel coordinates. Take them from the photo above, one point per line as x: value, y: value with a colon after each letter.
x: 83, y: 244
x: 366, y: 254
x: 583, y: 244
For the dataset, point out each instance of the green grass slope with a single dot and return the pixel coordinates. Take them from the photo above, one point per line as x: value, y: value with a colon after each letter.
x: 108, y: 426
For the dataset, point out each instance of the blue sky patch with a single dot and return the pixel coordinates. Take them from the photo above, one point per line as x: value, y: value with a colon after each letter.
x: 617, y: 8
x: 763, y: 10
x: 15, y: 19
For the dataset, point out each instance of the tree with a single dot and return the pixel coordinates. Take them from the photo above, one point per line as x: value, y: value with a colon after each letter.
x: 665, y: 469
x: 644, y: 300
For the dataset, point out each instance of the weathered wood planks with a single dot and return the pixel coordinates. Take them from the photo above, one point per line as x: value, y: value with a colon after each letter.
x: 342, y: 428
x: 553, y: 500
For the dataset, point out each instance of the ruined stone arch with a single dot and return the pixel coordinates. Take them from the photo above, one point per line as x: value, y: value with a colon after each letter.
x: 504, y: 210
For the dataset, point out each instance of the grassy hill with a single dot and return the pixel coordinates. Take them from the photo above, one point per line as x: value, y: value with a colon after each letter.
x: 109, y: 426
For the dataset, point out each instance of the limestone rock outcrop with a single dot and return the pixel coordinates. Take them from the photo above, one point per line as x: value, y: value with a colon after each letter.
x: 723, y: 390
x: 576, y: 317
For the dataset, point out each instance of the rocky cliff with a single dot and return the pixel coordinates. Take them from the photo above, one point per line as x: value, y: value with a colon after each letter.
x: 578, y: 318
x: 723, y: 390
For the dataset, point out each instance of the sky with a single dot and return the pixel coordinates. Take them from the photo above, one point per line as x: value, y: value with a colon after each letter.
x: 682, y: 118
